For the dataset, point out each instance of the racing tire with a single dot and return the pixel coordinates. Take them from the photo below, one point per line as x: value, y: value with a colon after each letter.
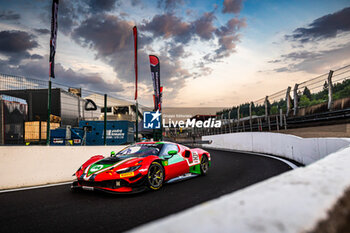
x: 155, y: 176
x: 204, y: 165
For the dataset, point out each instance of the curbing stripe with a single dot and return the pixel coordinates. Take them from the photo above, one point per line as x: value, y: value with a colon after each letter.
x: 34, y: 187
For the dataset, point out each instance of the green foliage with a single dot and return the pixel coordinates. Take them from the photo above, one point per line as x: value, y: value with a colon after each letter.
x: 274, y: 110
x: 307, y: 93
x: 304, y: 101
x: 341, y: 90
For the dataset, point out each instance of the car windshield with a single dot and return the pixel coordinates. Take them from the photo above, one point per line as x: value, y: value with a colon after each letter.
x: 140, y: 150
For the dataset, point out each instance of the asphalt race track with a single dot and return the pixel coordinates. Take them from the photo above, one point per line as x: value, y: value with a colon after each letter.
x: 57, y: 209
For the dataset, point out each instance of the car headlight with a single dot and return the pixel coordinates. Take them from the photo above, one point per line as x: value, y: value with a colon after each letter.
x: 128, y: 169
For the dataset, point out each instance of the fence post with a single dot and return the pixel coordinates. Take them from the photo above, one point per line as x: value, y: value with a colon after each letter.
x: 229, y: 121
x: 285, y: 122
x: 79, y: 110
x: 105, y: 121
x: 266, y: 107
x: 330, y: 90
x: 295, y: 99
x: 259, y: 124
x: 281, y: 120
x: 238, y: 117
x: 250, y: 116
x: 221, y: 119
x: 48, y: 114
x: 288, y: 100
x: 278, y: 126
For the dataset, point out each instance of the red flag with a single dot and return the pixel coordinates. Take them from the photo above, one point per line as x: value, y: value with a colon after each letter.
x: 135, y: 47
x: 155, y: 72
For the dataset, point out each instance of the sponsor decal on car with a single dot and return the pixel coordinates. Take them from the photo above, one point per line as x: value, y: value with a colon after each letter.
x: 88, y: 188
x: 96, y: 168
x: 88, y: 172
x: 123, y: 175
x: 195, y: 157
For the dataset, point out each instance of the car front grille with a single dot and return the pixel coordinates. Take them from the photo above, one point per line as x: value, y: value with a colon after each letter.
x: 103, y: 184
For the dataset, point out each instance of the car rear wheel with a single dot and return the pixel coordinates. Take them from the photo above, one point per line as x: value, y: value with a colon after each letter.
x: 155, y: 176
x: 204, y: 165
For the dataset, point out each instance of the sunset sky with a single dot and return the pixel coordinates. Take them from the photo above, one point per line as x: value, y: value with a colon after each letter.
x: 212, y: 53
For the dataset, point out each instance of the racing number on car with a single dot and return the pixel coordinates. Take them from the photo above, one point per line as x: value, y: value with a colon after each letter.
x: 195, y: 157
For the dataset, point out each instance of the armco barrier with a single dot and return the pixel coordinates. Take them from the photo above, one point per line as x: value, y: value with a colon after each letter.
x: 295, y: 201
x: 303, y: 150
x: 22, y: 166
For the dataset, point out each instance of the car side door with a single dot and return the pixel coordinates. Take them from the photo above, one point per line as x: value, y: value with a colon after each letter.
x: 176, y: 164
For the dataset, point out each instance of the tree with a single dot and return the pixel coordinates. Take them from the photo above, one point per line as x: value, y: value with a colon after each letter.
x: 325, y: 85
x: 304, y: 101
x: 307, y: 93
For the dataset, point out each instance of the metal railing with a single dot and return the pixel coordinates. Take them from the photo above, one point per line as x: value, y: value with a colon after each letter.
x: 325, y: 88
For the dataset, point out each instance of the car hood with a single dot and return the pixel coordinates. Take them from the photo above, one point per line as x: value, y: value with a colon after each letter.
x: 110, y: 163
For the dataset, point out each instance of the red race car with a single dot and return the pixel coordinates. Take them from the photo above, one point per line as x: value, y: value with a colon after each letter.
x: 141, y: 166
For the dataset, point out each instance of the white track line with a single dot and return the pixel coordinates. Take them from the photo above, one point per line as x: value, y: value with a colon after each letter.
x: 34, y: 187
x: 289, y: 163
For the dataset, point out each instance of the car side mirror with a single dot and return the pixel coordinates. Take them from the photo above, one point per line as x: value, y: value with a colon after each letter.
x: 170, y: 154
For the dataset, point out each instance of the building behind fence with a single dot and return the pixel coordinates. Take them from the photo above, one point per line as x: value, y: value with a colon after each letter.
x: 69, y: 107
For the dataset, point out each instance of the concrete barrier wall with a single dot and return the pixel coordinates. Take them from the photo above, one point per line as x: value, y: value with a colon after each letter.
x: 36, y: 165
x: 303, y: 150
x: 295, y: 201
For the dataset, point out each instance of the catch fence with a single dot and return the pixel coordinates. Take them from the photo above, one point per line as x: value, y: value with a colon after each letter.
x: 324, y: 97
x: 24, y: 107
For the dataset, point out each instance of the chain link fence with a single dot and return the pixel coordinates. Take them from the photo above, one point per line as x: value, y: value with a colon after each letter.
x: 24, y: 113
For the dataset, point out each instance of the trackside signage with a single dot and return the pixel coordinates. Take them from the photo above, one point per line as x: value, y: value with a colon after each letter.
x: 152, y: 120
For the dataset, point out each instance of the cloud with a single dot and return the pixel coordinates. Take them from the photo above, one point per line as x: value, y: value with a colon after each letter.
x: 69, y: 13
x: 105, y: 33
x: 169, y: 5
x: 316, y: 62
x: 275, y: 61
x: 204, y: 27
x: 176, y: 51
x: 322, y: 54
x: 328, y: 26
x: 39, y: 69
x: 98, y: 6
x: 232, y: 6
x: 16, y: 45
x: 111, y: 38
x: 229, y: 37
x: 135, y: 2
x: 294, y: 56
x: 9, y: 15
x: 282, y: 69
x: 42, y: 31
x: 169, y: 26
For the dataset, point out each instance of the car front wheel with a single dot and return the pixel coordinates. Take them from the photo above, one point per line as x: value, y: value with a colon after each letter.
x: 155, y: 176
